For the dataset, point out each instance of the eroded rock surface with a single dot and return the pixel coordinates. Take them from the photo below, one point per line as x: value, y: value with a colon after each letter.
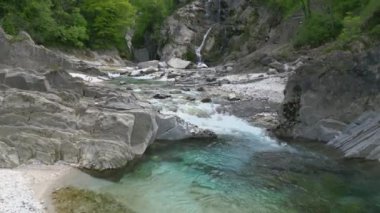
x: 47, y: 115
x: 327, y: 94
x: 361, y: 139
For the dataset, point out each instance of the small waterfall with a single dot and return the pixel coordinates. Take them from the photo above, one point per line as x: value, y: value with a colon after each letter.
x: 198, y: 51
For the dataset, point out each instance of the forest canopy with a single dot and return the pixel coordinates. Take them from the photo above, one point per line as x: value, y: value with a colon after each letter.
x: 83, y: 23
x: 332, y: 20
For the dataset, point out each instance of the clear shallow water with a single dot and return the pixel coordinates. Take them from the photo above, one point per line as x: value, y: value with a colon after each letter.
x: 247, y: 172
x: 244, y: 171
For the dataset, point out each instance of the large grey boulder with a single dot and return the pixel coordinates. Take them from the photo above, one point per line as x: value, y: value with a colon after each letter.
x: 361, y: 139
x: 147, y: 64
x: 53, y: 117
x: 178, y: 63
x: 327, y: 93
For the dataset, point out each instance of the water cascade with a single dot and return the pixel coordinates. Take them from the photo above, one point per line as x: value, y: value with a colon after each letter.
x: 198, y: 51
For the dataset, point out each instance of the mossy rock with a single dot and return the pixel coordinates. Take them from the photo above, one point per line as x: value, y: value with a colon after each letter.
x: 72, y: 200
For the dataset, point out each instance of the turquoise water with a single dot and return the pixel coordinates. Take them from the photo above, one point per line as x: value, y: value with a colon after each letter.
x: 247, y: 173
x: 243, y: 171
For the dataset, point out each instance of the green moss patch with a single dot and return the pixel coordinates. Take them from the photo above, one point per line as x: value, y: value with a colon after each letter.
x: 72, y: 200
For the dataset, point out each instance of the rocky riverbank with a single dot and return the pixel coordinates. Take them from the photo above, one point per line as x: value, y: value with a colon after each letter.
x: 27, y: 188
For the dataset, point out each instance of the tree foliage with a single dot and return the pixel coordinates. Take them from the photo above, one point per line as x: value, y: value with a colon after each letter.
x: 317, y: 30
x: 108, y: 21
x: 151, y: 14
x: 328, y: 20
x: 84, y: 23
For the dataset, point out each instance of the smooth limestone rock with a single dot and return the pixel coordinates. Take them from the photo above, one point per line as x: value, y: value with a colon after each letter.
x: 91, y: 127
x: 147, y: 64
x: 178, y: 63
x: 49, y: 116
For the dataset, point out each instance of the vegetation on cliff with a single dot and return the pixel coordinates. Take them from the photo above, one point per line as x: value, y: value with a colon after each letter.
x: 84, y: 23
x: 333, y: 20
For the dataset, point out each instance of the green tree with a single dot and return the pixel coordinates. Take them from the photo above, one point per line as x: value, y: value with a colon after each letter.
x: 150, y: 16
x: 108, y: 21
x: 33, y: 16
x: 72, y: 26
x: 48, y: 22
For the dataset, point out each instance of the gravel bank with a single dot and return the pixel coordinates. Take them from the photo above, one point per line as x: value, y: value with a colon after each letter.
x: 27, y: 189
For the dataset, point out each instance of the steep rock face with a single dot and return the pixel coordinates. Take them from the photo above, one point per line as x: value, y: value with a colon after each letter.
x: 245, y: 32
x: 181, y: 29
x: 325, y: 95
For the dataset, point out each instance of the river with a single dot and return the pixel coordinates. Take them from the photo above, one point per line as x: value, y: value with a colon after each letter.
x: 244, y: 170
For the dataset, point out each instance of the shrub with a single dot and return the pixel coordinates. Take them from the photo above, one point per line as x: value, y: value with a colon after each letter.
x: 351, y: 29
x: 317, y: 30
x: 375, y: 32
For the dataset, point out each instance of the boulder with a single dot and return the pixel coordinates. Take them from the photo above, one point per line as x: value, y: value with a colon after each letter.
x: 328, y: 92
x: 229, y: 69
x: 206, y: 100
x: 233, y: 97
x: 272, y: 71
x: 178, y: 63
x: 162, y: 65
x: 174, y: 128
x: 150, y: 70
x: 147, y: 64
x: 161, y: 96
x: 277, y: 66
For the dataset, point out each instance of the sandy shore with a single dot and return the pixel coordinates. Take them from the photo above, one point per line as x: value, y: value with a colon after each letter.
x: 27, y: 189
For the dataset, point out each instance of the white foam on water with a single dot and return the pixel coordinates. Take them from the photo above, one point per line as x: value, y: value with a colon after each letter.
x: 113, y: 75
x: 87, y: 78
x: 205, y: 116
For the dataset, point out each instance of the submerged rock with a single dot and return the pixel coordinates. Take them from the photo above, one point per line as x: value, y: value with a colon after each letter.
x: 70, y: 199
x: 206, y: 100
x: 161, y: 96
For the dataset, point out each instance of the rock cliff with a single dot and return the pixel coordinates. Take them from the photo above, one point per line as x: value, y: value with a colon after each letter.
x: 243, y: 32
x: 325, y: 96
